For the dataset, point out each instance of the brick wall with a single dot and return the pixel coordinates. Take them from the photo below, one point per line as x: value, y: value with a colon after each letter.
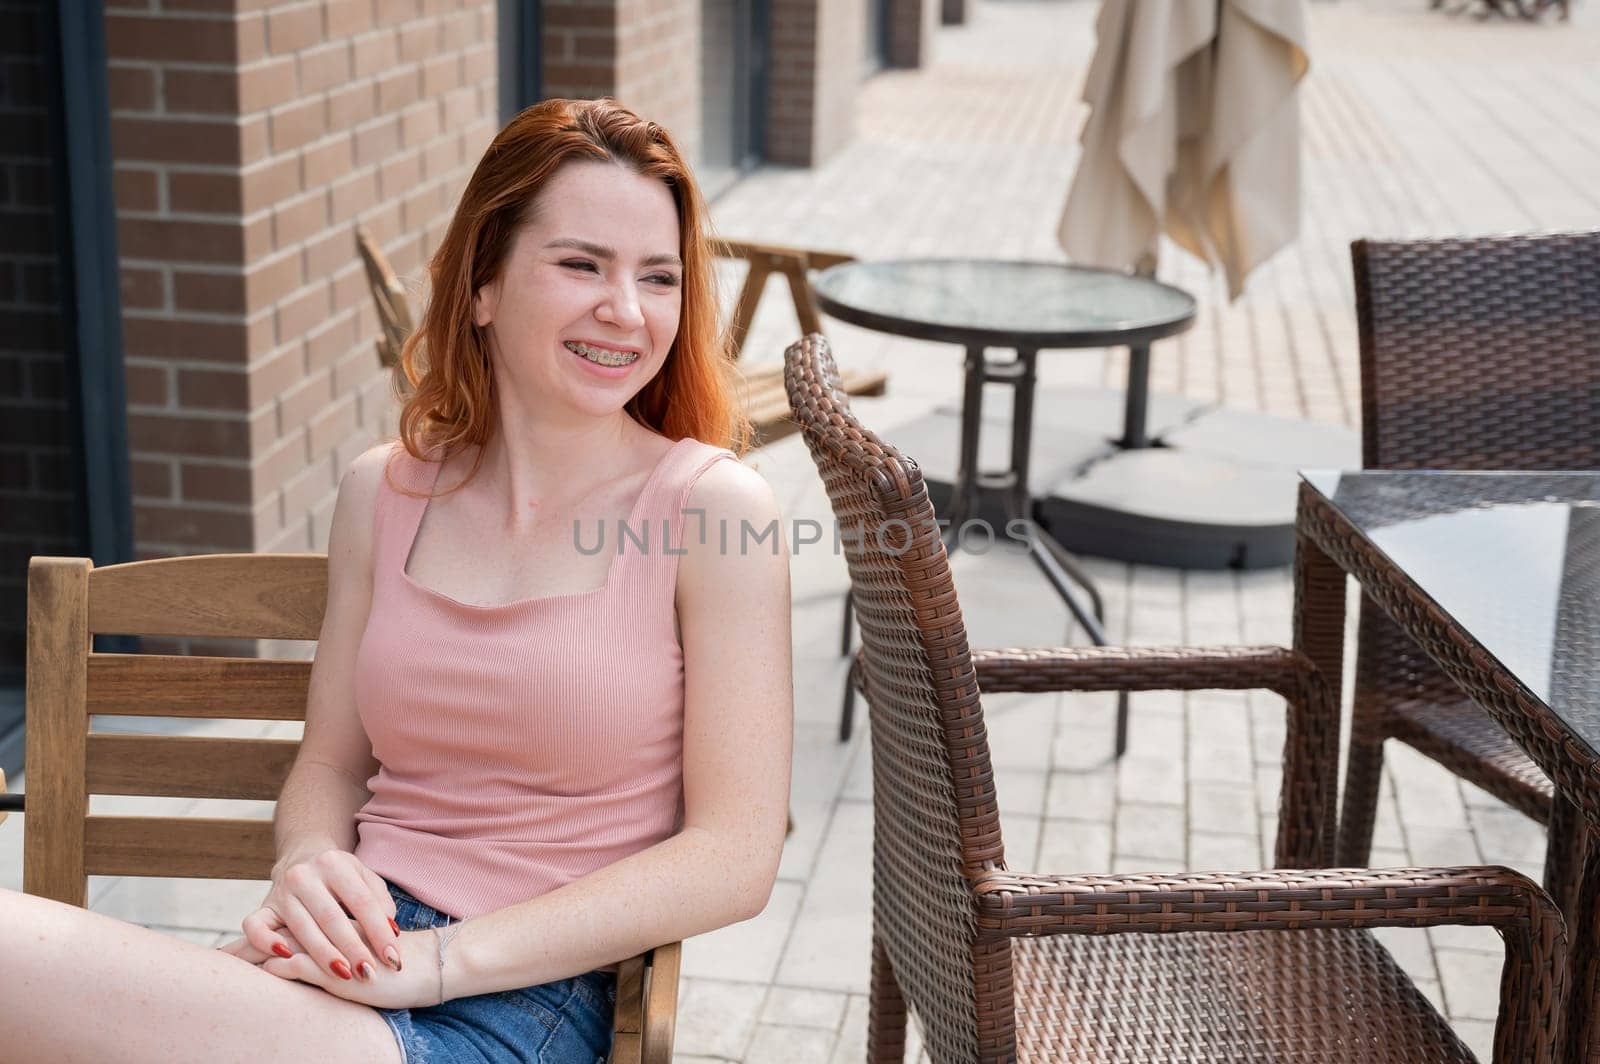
x: 658, y: 65
x: 579, y: 48
x: 38, y: 466
x: 250, y: 138
x: 814, y: 74
x: 645, y: 53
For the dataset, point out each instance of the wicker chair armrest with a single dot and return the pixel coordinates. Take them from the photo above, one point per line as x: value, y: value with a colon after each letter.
x: 1306, y: 818
x: 1019, y: 903
x: 1011, y: 905
x: 1045, y: 669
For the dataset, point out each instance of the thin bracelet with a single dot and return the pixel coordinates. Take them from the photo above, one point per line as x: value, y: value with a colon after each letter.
x: 442, y: 941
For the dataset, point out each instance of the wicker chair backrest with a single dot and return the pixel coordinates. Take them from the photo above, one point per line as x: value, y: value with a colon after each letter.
x: 1480, y: 353
x: 1476, y: 353
x: 936, y: 820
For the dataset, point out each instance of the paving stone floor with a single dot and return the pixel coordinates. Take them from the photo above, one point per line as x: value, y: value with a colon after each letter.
x: 1415, y: 123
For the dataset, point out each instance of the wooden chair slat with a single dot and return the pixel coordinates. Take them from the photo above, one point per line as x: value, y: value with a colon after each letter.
x: 184, y: 846
x: 183, y: 766
x: 166, y: 685
x: 627, y: 1020
x: 660, y: 1015
x: 269, y: 596
x: 57, y: 729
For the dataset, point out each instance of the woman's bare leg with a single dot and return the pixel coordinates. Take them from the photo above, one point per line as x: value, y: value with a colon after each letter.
x: 80, y: 988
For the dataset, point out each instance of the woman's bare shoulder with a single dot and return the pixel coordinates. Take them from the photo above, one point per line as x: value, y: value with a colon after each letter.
x: 733, y: 489
x: 351, y: 534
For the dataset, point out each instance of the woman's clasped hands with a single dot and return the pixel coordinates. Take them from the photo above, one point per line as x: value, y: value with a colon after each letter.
x: 329, y: 921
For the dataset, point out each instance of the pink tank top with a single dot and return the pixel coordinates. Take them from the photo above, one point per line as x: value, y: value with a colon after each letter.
x: 525, y: 745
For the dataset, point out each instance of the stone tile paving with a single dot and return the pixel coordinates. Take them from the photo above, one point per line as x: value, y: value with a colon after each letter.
x: 1415, y: 123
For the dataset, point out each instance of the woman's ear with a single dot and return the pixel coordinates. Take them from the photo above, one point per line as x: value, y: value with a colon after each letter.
x: 484, y: 302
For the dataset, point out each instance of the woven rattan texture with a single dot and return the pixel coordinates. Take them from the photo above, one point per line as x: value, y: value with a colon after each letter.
x: 1299, y: 988
x: 1113, y: 1004
x: 1475, y: 354
x: 1480, y: 353
x: 954, y: 932
x: 935, y: 811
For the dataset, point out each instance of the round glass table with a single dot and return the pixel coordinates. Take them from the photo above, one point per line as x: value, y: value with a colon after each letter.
x: 1024, y: 307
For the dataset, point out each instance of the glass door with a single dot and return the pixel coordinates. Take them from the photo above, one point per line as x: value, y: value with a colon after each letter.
x: 875, y: 41
x: 732, y: 90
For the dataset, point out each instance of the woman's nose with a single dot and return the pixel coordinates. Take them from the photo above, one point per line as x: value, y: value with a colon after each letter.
x: 621, y: 307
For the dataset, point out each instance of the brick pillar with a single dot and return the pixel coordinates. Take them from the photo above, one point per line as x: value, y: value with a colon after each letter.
x: 814, y: 74
x: 645, y: 53
x: 249, y: 141
x: 912, y: 25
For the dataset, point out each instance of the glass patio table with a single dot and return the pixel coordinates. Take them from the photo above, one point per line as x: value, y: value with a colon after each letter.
x: 1497, y: 578
x: 1025, y: 307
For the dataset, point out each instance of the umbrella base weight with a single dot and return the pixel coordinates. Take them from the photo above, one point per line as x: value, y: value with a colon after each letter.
x: 1219, y: 493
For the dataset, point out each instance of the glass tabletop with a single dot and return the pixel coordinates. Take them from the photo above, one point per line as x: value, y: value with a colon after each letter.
x: 1514, y: 558
x: 1044, y: 304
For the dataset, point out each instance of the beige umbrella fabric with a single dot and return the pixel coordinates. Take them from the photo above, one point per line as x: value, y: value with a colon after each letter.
x: 1194, y: 132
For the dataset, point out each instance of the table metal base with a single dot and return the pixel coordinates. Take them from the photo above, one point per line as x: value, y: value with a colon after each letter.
x: 1018, y: 518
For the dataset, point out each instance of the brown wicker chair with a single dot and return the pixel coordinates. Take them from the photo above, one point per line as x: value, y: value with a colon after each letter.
x: 1475, y: 354
x: 1000, y: 965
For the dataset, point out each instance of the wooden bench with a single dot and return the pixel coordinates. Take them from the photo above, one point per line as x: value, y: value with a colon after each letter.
x: 760, y: 387
x: 765, y: 401
x: 248, y: 596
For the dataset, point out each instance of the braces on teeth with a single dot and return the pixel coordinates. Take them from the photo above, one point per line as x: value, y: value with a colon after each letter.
x: 601, y: 356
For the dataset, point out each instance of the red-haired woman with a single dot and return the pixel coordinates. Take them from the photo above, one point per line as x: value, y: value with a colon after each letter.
x: 549, y: 720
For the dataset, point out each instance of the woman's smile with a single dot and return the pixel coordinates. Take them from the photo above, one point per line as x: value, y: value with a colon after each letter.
x: 603, y: 355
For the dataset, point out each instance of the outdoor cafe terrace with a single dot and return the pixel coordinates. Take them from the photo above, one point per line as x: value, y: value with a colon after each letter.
x: 1415, y: 122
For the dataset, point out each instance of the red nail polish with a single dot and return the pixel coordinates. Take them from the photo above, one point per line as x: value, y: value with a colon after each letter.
x: 281, y: 950
x: 394, y: 926
x: 364, y: 970
x: 341, y: 969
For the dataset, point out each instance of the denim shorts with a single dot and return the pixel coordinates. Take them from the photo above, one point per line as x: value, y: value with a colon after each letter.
x: 565, y: 1022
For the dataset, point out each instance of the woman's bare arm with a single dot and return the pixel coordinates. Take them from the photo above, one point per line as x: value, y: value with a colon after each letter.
x: 316, y: 877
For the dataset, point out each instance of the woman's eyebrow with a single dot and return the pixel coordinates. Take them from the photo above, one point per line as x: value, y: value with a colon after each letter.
x: 601, y: 251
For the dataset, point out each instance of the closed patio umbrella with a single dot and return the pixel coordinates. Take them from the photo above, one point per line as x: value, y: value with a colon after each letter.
x: 1194, y: 132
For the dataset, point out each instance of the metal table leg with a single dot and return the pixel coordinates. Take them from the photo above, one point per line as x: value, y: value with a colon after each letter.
x: 1059, y: 566
x: 1136, y: 402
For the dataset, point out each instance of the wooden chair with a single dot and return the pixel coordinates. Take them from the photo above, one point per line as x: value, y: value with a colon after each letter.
x: 1476, y: 353
x: 765, y: 403
x: 389, y: 296
x: 1001, y: 965
x: 250, y: 596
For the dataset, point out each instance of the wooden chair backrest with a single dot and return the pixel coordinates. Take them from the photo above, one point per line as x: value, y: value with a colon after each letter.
x: 389, y: 296
x: 223, y: 596
x: 218, y: 596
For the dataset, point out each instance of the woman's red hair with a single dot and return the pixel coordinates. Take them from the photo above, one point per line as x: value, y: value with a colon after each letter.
x: 452, y: 403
